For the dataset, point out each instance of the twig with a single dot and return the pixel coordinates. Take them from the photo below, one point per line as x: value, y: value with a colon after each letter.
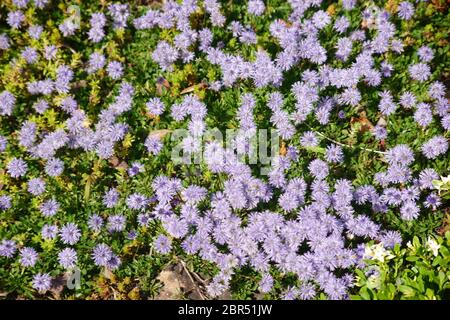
x: 346, y: 145
x: 192, y: 280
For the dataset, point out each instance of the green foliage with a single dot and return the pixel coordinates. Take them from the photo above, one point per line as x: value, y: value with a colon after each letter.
x: 421, y: 271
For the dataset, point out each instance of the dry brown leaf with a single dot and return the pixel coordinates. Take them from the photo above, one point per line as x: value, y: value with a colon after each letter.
x: 159, y: 133
x: 365, y: 124
x: 116, y: 163
x: 2, y: 172
x: 193, y: 87
x: 160, y: 84
x: 58, y: 285
x: 283, y: 149
x: 331, y: 10
x: 109, y: 275
x: 172, y: 288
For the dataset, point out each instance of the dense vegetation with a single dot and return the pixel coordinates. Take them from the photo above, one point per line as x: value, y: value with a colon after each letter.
x: 352, y: 204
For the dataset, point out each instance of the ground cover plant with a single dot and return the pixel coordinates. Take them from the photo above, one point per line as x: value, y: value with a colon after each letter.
x: 253, y: 149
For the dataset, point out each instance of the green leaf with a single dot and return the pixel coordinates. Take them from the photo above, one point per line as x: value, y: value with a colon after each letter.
x: 407, y: 291
x: 364, y: 293
x: 412, y: 258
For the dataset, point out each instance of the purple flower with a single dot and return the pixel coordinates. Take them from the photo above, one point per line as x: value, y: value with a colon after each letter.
x: 101, y: 254
x: 7, y: 101
x: 27, y: 134
x: 386, y: 105
x: 436, y: 90
x: 392, y: 196
x: 3, y: 143
x: 419, y: 71
x: 7, y: 248
x: 40, y: 106
x: 115, y: 70
x: 20, y: 3
x: 256, y: 7
x: 49, y: 208
x: 15, y: 19
x: 5, y: 202
x: 97, y: 21
x: 391, y: 238
x: 334, y: 154
x: 111, y: 198
x: 49, y: 232
x: 54, y: 167
x: 341, y: 24
x: 17, y: 168
x: 407, y: 100
x: 116, y: 223
x: 153, y: 144
x: 137, y: 201
x: 36, y: 186
x: 95, y: 222
x: 405, y: 10
x: 70, y: 233
x: 386, y: 69
x: 344, y: 48
x: 162, y: 244
x: 113, y: 262
x: 290, y: 294
x: 379, y: 132
x: 35, y: 31
x: 426, y: 178
x: 28, y: 257
x: 318, y: 169
x: 155, y: 106
x: 50, y: 52
x: 400, y: 154
x: 96, y: 62
x: 423, y: 115
x: 435, y: 147
x: 68, y: 27
x: 309, y: 139
x: 135, y: 168
x: 321, y: 19
x: 432, y: 201
x: 40, y: 3
x: 42, y: 282
x: 425, y: 53
x: 64, y: 75
x: 193, y: 194
x: 67, y: 258
x: 120, y: 14
x: 307, y: 291
x: 4, y: 42
x: 132, y: 235
x: 165, y: 55
x: 350, y: 96
x: 445, y: 121
x: 348, y: 4
x: 409, y: 210
x: 266, y: 283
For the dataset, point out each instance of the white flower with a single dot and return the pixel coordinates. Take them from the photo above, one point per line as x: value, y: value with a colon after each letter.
x: 433, y: 246
x: 378, y: 252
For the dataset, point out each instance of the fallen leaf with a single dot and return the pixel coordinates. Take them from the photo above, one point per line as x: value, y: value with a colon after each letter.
x: 283, y: 149
x: 193, y: 87
x: 58, y: 284
x: 159, y: 133
x: 365, y: 124
x: 160, y: 84
x: 171, y: 285
x: 116, y: 163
